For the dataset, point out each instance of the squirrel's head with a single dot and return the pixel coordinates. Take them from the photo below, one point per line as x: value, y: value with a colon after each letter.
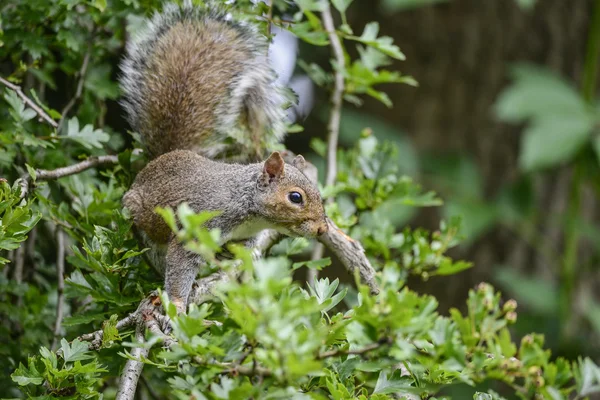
x: 289, y: 199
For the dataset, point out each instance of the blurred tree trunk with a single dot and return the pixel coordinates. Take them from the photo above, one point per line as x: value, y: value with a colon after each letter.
x: 460, y: 52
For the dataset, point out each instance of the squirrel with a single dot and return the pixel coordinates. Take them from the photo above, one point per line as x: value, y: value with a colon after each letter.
x: 199, y: 89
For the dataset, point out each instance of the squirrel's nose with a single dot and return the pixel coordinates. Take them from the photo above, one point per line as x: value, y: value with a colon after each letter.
x: 322, y: 228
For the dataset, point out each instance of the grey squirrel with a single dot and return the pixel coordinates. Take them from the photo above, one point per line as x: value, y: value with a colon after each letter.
x: 199, y: 89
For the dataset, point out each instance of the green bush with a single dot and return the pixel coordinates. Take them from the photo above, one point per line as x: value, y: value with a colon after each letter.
x: 264, y: 334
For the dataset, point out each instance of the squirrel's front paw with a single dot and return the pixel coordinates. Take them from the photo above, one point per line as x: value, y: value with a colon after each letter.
x: 180, y: 305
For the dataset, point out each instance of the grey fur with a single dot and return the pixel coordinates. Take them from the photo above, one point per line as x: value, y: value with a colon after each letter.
x: 176, y: 96
x: 252, y: 91
x: 250, y: 199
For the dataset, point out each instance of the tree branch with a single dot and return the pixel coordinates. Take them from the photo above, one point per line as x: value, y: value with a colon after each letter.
x: 349, y: 251
x: 333, y: 126
x: 79, y: 90
x: 46, y: 175
x: 366, y: 349
x: 133, y: 368
x: 19, y: 270
x: 351, y: 254
x: 96, y: 337
x: 60, y: 275
x: 39, y: 111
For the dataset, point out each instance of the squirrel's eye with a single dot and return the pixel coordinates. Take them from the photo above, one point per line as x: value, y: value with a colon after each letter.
x: 295, y: 197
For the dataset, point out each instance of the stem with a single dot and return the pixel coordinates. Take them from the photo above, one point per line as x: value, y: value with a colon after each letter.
x: 569, y: 265
x: 590, y: 73
x: 333, y: 126
x: 78, y: 91
x: 39, y: 111
x: 46, y: 175
x: 60, y: 274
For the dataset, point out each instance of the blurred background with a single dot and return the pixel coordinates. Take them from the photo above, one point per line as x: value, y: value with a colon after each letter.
x: 503, y: 127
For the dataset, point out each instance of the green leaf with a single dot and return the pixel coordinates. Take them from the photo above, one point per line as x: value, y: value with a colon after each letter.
x: 77, y: 351
x: 313, y: 264
x: 487, y: 396
x: 590, y: 377
x: 87, y: 137
x: 399, y: 5
x: 25, y: 376
x: 400, y: 386
x: 535, y: 293
x: 384, y: 44
x: 596, y: 145
x: 553, y: 140
x: 526, y: 4
x: 99, y: 4
x: 341, y: 5
x: 306, y: 32
x: 535, y: 93
x: 110, y: 333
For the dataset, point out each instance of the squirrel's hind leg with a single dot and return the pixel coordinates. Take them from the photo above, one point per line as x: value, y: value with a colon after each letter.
x: 182, y: 268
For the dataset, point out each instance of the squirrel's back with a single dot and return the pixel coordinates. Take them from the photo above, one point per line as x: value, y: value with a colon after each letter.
x: 194, y: 79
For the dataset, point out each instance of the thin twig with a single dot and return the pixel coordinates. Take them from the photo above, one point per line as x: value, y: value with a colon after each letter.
x: 96, y: 337
x: 333, y: 126
x: 270, y: 17
x: 312, y: 274
x: 46, y: 175
x: 133, y: 368
x: 79, y: 90
x: 351, y: 254
x: 19, y: 268
x: 149, y: 388
x: 343, y: 352
x: 39, y: 111
x: 60, y: 272
x: 30, y: 247
x: 235, y: 368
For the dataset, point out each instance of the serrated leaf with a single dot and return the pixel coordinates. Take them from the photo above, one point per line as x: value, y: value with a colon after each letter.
x: 384, y: 44
x: 77, y: 351
x: 400, y: 386
x: 110, y: 332
x: 87, y: 137
x: 313, y: 264
x: 25, y: 376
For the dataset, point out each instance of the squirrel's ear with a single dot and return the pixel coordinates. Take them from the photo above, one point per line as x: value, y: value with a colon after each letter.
x: 273, y: 167
x: 299, y: 162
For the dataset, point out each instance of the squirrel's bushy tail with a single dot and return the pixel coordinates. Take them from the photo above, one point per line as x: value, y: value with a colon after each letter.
x: 194, y: 79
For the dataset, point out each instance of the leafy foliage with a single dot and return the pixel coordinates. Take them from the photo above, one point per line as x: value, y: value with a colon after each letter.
x: 263, y: 335
x: 561, y: 122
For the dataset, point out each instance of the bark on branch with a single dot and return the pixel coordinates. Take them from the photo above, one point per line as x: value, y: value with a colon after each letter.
x: 47, y: 175
x: 38, y: 110
x: 333, y: 126
x: 133, y: 368
x: 60, y: 276
x: 351, y: 254
x: 79, y: 90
